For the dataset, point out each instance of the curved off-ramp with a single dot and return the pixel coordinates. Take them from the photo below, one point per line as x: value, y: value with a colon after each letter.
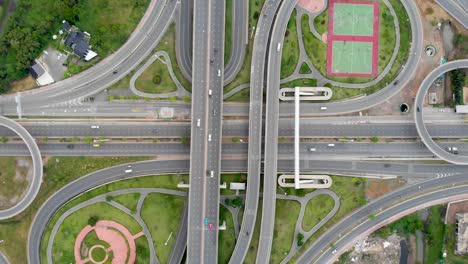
x: 418, y: 114
x: 180, y: 92
x: 3, y: 259
x: 36, y: 181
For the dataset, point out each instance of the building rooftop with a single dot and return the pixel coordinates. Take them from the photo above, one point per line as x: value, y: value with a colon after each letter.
x: 36, y: 70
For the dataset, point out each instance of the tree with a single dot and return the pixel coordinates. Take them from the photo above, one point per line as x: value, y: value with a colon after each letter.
x: 375, y: 139
x: 187, y: 99
x: 300, y: 238
x: 88, y: 140
x: 235, y: 140
x: 3, y: 139
x: 92, y: 220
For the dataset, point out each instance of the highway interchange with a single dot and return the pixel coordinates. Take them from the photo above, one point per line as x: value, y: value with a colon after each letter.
x: 206, y: 153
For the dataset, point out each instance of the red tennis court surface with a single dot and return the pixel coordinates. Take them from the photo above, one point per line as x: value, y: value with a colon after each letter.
x: 357, y: 23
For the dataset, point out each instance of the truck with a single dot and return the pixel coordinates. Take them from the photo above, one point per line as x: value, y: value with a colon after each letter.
x: 453, y: 150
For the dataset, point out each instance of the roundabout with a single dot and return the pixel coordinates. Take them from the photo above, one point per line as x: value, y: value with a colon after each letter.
x: 35, y: 184
x: 418, y: 114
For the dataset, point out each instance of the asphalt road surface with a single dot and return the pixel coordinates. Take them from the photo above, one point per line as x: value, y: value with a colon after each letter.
x: 418, y: 115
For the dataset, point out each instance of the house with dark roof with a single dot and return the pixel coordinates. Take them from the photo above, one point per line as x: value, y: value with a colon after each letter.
x: 78, y: 42
x: 40, y: 74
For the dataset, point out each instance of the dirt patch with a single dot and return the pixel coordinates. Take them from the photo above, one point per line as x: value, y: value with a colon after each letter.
x: 377, y: 187
x: 373, y: 250
x: 23, y: 84
x: 412, y: 249
x: 456, y: 208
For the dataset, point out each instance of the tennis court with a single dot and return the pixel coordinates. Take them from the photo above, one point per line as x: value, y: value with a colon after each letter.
x: 353, y: 19
x: 352, y: 57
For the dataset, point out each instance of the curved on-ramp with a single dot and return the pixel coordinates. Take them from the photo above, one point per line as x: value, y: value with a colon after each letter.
x: 36, y: 180
x: 418, y: 114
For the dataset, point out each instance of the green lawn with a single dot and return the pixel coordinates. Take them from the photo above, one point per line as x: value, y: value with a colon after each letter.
x: 315, y: 48
x: 304, y: 82
x: 129, y: 200
x: 243, y: 76
x: 108, y: 37
x: 227, y: 238
x: 352, y: 196
x: 435, y: 230
x: 317, y: 208
x: 340, y: 93
x: 304, y: 69
x: 157, y: 69
x: 290, y: 55
x: 62, y: 250
x: 241, y: 96
x: 12, y: 186
x: 162, y: 214
x: 321, y: 23
x: 57, y: 174
x: 286, y: 215
x: 228, y: 31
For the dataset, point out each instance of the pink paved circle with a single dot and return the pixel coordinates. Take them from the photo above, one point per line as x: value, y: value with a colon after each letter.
x: 312, y: 5
x: 121, y: 241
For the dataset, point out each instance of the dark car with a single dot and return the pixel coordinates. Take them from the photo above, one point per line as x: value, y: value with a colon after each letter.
x: 70, y: 146
x: 417, y: 108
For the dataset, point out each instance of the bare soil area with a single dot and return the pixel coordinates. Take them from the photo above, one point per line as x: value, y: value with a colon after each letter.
x: 455, y: 208
x: 377, y: 187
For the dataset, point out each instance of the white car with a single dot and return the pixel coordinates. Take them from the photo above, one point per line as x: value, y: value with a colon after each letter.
x: 198, y: 122
x: 209, y: 137
x: 334, y: 251
x: 219, y: 72
x: 210, y: 92
x: 331, y: 145
x: 312, y: 149
x: 94, y: 127
x: 211, y: 174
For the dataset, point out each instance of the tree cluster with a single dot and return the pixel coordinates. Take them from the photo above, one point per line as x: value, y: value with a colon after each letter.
x: 458, y: 81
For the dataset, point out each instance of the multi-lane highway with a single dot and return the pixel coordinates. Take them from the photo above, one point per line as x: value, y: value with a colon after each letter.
x: 322, y: 151
x: 237, y: 128
x: 206, y: 132
x: 418, y: 114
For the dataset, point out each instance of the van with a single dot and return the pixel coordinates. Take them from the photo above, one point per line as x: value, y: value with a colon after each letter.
x: 331, y: 145
x: 323, y: 108
x: 94, y: 127
x: 209, y: 137
x: 128, y: 170
x: 211, y: 174
x: 198, y: 122
x: 279, y: 47
x: 210, y: 92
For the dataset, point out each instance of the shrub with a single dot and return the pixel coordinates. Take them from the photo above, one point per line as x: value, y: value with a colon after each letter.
x: 157, y: 79
x: 93, y: 220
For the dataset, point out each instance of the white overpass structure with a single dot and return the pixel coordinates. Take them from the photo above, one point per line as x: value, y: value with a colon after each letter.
x: 306, y: 93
